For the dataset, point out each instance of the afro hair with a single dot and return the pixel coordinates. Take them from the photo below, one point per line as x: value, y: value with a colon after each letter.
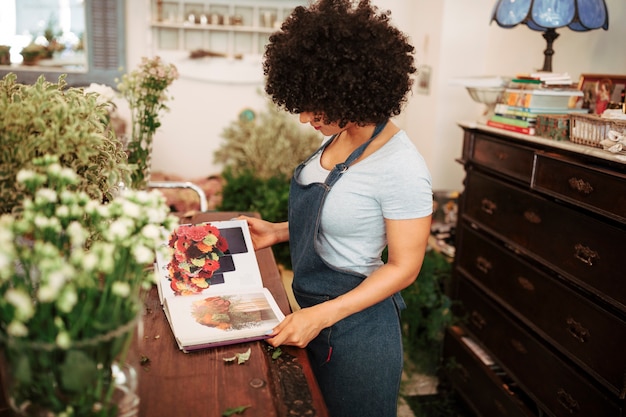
x: 343, y: 62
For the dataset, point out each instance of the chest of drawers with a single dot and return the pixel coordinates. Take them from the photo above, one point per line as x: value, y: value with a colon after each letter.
x: 540, y: 278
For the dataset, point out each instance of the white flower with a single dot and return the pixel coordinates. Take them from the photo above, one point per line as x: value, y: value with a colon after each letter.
x: 54, y: 169
x: 68, y: 175
x: 21, y: 301
x: 105, y: 94
x: 67, y: 300
x: 45, y: 195
x: 142, y: 254
x: 62, y: 211
x: 77, y: 233
x: 17, y: 329
x: 89, y: 261
x: 131, y: 209
x: 121, y: 289
x: 120, y: 229
x: 49, y: 291
x: 63, y: 340
x: 106, y: 254
x: 153, y: 233
x: 25, y: 175
x: 67, y: 197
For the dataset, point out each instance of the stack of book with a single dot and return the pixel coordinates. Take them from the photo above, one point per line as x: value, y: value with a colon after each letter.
x: 528, y: 97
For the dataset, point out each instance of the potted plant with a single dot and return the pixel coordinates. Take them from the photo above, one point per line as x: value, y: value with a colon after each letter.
x: 49, y: 118
x: 428, y: 313
x: 72, y: 273
x: 32, y: 53
x: 259, y: 155
x: 5, y: 55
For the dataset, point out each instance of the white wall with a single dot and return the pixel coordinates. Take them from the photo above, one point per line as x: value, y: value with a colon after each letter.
x: 454, y: 37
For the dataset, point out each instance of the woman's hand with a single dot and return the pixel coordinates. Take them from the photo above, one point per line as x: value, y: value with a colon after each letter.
x: 298, y: 328
x: 265, y: 234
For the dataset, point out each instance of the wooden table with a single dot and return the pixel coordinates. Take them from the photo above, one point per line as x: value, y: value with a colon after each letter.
x: 202, y: 384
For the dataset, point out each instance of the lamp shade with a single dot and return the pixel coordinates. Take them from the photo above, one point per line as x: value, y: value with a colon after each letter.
x: 578, y: 15
x: 548, y: 15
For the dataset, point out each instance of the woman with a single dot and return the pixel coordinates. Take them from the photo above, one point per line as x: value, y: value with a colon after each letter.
x: 346, y: 71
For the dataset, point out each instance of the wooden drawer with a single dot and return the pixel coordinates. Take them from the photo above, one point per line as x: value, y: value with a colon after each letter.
x: 562, y: 316
x: 484, y: 391
x: 593, y: 189
x: 586, y: 251
x: 511, y: 160
x: 554, y: 384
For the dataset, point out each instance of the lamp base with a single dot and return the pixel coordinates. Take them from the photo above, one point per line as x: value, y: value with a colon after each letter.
x: 549, y: 35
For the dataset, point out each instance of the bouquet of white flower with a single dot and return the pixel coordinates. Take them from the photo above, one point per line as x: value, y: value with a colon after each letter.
x: 72, y: 271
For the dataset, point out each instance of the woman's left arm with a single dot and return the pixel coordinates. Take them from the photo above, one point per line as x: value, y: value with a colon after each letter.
x: 407, y: 241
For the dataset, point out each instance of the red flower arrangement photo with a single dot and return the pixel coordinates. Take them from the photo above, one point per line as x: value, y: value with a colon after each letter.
x: 197, y: 252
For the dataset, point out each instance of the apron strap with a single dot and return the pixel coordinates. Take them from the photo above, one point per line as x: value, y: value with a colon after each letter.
x: 342, y: 167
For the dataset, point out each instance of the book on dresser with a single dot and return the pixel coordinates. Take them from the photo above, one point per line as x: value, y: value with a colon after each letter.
x: 210, y: 286
x: 515, y: 120
x: 529, y: 130
x: 540, y: 98
x: 503, y: 109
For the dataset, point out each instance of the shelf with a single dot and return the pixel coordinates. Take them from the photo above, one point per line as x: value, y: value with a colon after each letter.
x: 227, y: 28
x: 210, y: 27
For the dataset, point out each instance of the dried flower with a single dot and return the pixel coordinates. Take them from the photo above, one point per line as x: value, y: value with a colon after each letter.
x: 146, y: 91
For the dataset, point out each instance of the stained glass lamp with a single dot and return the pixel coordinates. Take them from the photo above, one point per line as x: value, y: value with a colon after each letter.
x: 548, y: 15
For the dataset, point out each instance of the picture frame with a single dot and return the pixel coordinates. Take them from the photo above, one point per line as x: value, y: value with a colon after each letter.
x: 601, y: 91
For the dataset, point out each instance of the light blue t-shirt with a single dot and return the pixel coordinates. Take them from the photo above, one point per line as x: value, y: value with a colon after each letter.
x: 392, y: 183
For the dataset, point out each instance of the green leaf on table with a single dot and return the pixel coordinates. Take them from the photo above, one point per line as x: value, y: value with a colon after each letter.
x: 239, y: 357
x: 235, y: 410
x: 276, y: 354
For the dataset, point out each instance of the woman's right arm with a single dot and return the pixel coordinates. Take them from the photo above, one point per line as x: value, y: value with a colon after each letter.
x: 265, y: 234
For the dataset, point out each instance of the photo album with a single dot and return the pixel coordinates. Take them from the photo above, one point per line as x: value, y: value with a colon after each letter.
x: 210, y: 286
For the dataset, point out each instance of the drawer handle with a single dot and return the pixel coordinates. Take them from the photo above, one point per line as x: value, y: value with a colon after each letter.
x: 517, y: 345
x: 483, y: 265
x: 580, y: 185
x: 585, y: 255
x: 532, y: 217
x: 477, y: 320
x: 567, y: 401
x: 526, y: 284
x: 488, y: 206
x: 577, y: 330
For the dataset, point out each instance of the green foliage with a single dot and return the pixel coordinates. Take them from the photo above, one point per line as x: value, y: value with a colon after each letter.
x: 269, y: 197
x: 270, y: 145
x: 49, y: 118
x: 428, y: 312
x: 259, y: 157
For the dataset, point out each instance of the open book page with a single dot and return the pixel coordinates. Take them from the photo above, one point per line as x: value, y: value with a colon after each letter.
x: 202, y: 321
x: 235, y: 267
x: 211, y: 288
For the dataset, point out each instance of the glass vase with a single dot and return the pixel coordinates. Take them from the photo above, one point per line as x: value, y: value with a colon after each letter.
x: 95, y: 377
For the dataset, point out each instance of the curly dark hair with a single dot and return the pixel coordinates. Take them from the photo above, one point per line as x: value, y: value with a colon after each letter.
x: 345, y: 63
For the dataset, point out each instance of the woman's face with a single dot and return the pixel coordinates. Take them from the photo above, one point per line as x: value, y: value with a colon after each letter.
x: 317, y: 122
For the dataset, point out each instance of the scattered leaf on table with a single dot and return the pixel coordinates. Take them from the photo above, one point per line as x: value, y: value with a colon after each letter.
x: 235, y: 410
x: 276, y: 354
x: 239, y: 357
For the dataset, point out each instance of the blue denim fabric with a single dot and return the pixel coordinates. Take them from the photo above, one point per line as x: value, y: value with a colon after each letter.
x: 358, y: 361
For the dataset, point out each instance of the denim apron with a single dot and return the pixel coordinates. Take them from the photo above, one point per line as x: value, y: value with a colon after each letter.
x: 358, y: 361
